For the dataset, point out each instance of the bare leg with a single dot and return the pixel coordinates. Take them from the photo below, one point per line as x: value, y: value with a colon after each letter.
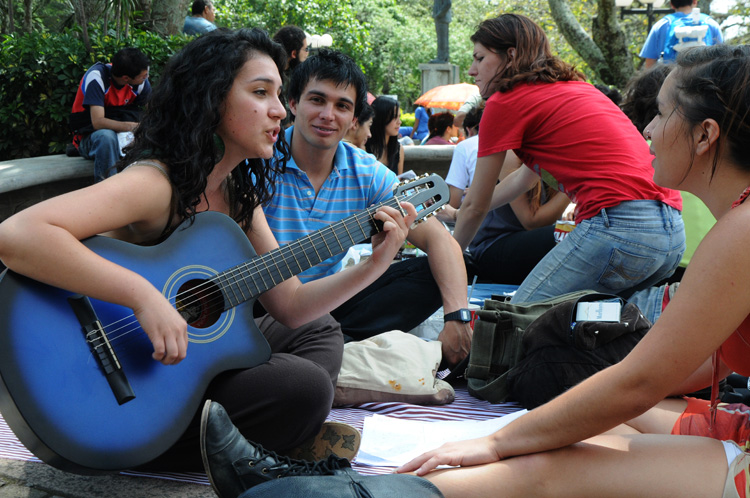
x: 612, y: 466
x: 658, y: 420
x: 661, y: 418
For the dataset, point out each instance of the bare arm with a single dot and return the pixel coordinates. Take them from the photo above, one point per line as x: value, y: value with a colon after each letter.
x: 447, y: 266
x: 485, y: 193
x: 701, y: 378
x: 294, y: 303
x: 456, y: 195
x: 711, y: 303
x: 649, y: 63
x: 99, y: 122
x: 532, y: 216
x: 43, y: 242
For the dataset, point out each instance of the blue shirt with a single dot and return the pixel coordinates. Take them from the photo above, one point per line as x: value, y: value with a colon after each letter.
x: 422, y: 129
x: 657, y: 38
x: 357, y: 181
x: 197, y: 25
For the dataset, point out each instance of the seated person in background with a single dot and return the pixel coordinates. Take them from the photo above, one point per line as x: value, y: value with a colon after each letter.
x: 201, y: 19
x: 327, y: 180
x: 512, y: 238
x: 442, y: 129
x: 420, y: 131
x: 109, y: 101
x: 384, y: 143
x: 359, y: 133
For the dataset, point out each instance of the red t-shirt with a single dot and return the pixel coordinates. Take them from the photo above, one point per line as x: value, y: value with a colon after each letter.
x: 577, y: 140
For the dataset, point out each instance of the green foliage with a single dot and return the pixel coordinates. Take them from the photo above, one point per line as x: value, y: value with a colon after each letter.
x: 407, y: 119
x: 334, y: 17
x: 39, y: 74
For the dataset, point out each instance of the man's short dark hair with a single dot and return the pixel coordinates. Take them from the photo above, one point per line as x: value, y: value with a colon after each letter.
x: 681, y: 3
x: 129, y: 62
x: 329, y: 65
x: 199, y: 6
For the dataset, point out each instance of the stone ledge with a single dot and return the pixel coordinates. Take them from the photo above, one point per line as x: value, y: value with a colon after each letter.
x: 22, y: 173
x: 24, y: 182
x: 428, y: 158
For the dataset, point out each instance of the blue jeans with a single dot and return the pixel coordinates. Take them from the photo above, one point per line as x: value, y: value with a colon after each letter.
x: 101, y: 146
x: 623, y: 249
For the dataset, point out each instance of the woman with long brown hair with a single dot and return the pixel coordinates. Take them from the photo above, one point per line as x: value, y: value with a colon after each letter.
x: 629, y: 234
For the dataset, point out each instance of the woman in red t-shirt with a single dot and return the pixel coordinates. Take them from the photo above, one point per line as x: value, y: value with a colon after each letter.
x: 540, y: 111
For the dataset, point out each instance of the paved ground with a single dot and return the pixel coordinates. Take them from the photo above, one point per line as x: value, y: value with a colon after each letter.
x: 20, y: 479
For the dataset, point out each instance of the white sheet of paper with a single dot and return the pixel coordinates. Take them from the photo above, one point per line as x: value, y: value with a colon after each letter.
x: 391, y: 442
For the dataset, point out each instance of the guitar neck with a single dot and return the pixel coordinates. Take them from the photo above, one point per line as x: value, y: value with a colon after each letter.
x: 254, y: 277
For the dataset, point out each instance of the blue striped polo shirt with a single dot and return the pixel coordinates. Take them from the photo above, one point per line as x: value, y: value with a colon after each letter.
x: 357, y: 181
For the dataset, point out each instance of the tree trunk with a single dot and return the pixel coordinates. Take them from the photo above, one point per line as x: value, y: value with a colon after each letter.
x: 80, y: 12
x: 118, y: 18
x: 167, y: 16
x: 27, y: 15
x: 11, y: 21
x: 613, y: 42
x: 607, y: 52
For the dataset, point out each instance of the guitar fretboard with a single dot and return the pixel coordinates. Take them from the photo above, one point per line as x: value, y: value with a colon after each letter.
x: 252, y: 278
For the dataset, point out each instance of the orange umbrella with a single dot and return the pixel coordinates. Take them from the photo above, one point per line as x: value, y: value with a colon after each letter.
x: 370, y: 98
x: 447, y: 96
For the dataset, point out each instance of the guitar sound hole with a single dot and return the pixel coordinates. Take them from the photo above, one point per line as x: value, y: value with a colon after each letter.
x: 200, y: 303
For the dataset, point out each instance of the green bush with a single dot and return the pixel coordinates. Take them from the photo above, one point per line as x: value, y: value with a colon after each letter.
x: 407, y: 119
x: 39, y: 75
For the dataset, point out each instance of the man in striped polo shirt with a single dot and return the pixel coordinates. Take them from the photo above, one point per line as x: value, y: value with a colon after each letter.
x: 327, y: 180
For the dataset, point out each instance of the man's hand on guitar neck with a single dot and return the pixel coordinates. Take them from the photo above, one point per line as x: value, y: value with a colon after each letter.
x: 165, y: 327
x: 385, y: 244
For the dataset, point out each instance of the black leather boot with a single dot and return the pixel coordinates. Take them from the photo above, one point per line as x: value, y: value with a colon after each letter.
x: 234, y: 464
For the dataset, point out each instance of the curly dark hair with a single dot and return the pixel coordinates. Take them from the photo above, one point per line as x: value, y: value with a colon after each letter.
x: 533, y: 61
x: 639, y: 103
x: 714, y: 83
x: 386, y: 110
x: 179, y: 123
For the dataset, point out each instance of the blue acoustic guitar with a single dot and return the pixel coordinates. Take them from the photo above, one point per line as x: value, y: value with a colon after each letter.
x: 78, y: 386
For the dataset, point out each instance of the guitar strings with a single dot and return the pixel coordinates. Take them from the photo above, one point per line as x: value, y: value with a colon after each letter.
x: 245, y: 270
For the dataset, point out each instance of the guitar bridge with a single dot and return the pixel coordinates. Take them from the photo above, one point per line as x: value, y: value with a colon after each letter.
x: 101, y: 348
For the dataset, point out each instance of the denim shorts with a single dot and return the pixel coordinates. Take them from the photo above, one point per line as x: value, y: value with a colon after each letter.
x: 621, y: 250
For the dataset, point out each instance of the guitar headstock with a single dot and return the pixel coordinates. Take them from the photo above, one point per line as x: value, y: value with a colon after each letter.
x: 428, y: 193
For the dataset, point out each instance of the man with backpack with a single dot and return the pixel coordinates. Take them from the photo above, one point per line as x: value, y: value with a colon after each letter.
x: 683, y: 29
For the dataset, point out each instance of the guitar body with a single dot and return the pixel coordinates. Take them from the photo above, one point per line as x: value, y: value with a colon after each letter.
x: 53, y: 393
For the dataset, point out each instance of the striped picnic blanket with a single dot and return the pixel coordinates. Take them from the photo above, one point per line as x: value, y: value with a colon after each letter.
x: 465, y: 407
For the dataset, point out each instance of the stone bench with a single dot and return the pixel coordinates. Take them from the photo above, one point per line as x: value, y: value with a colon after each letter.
x: 24, y: 182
